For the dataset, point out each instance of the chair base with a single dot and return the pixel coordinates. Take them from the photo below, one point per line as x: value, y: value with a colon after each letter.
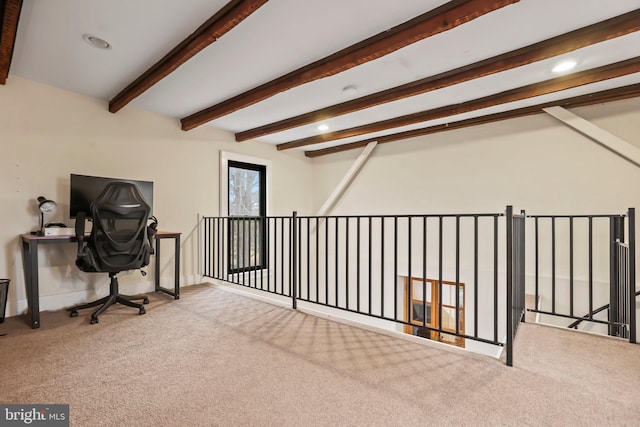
x: 113, y: 298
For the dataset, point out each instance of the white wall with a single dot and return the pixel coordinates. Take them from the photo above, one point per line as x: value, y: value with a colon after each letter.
x: 532, y: 162
x: 47, y: 134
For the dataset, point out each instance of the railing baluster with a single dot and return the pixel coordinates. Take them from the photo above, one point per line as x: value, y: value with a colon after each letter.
x: 206, y: 248
x: 358, y: 264
x: 382, y: 266
x: 336, y: 272
x: 571, y: 266
x: 495, y: 278
x: 275, y: 255
x: 326, y: 260
x: 317, y: 260
x: 440, y: 243
x: 457, y: 274
x: 409, y: 275
x: 424, y: 272
x: 537, y: 293
x: 395, y: 268
x: 346, y: 262
x: 591, y: 268
x: 292, y: 255
x: 308, y: 258
x: 369, y: 276
x: 553, y: 264
x: 632, y: 274
x: 475, y: 276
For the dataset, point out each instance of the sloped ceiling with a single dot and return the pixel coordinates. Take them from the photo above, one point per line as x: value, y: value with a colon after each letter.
x: 275, y: 70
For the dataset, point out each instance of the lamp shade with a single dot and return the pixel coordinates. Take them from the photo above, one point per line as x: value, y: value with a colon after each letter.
x: 45, y: 205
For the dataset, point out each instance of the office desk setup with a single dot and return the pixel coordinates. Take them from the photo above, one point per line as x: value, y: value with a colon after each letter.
x: 30, y: 244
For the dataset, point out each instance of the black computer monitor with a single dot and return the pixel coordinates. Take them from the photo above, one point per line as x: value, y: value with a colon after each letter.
x: 85, y: 189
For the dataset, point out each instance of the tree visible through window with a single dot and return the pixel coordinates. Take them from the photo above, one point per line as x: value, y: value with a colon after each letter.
x: 247, y: 207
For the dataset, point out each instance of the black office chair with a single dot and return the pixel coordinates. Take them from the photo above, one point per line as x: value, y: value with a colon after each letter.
x: 120, y: 240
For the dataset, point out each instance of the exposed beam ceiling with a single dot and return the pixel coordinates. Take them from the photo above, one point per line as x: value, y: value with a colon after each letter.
x: 298, y: 73
x: 568, y: 42
x: 524, y: 92
x: 443, y: 18
x: 9, y: 17
x: 215, y: 27
x: 624, y: 92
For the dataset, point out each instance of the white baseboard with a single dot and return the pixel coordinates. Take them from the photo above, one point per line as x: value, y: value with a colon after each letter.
x: 67, y: 299
x: 306, y: 308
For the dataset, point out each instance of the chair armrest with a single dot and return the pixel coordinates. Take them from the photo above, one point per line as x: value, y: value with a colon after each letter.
x: 152, y: 229
x: 80, y: 225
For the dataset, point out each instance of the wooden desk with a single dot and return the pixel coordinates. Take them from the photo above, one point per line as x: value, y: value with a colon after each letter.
x: 30, y: 245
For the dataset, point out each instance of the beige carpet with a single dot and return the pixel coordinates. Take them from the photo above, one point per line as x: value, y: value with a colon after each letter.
x: 214, y: 358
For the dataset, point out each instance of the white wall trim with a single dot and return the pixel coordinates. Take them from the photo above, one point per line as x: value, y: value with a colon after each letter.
x: 617, y: 145
x: 348, y: 178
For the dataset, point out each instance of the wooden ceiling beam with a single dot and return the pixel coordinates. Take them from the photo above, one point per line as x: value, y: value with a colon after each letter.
x: 593, y: 75
x: 625, y: 92
x: 443, y: 18
x: 9, y: 17
x: 586, y: 36
x: 215, y: 27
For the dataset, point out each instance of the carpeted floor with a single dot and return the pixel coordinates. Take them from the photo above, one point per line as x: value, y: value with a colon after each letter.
x: 215, y: 358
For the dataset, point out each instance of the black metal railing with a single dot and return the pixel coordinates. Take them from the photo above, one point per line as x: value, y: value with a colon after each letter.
x: 572, y: 276
x: 254, y: 252
x: 446, y: 275
x: 516, y: 283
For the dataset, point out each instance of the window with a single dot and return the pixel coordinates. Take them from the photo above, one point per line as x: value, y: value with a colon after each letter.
x: 247, y: 188
x: 425, y: 297
x: 244, y: 198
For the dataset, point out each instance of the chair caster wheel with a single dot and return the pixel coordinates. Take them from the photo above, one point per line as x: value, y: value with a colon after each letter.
x: 73, y: 314
x: 145, y: 301
x: 142, y: 311
x: 94, y: 320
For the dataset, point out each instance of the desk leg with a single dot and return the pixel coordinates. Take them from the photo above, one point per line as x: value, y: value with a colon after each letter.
x: 30, y: 260
x: 157, y: 279
x: 176, y: 258
x: 176, y: 292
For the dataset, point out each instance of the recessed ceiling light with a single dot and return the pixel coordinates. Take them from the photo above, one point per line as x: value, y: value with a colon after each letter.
x: 563, y: 66
x: 323, y: 128
x: 96, y: 41
x: 350, y: 90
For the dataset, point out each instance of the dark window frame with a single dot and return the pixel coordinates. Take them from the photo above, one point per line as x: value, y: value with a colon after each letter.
x: 235, y: 221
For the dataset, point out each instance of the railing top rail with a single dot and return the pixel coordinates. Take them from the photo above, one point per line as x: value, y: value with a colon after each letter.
x: 579, y: 216
x: 238, y: 217
x: 471, y: 215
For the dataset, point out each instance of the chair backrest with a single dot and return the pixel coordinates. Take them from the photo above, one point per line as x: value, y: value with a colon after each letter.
x: 119, y: 239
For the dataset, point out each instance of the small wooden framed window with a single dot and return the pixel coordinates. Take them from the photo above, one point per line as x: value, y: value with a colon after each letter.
x: 427, y: 303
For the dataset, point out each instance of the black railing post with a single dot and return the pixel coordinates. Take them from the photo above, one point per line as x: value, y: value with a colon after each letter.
x: 522, y: 278
x: 509, y: 231
x: 294, y: 263
x: 616, y: 235
x: 632, y: 275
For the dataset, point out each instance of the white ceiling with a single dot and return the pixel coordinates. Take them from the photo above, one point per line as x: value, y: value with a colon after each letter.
x: 284, y: 35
